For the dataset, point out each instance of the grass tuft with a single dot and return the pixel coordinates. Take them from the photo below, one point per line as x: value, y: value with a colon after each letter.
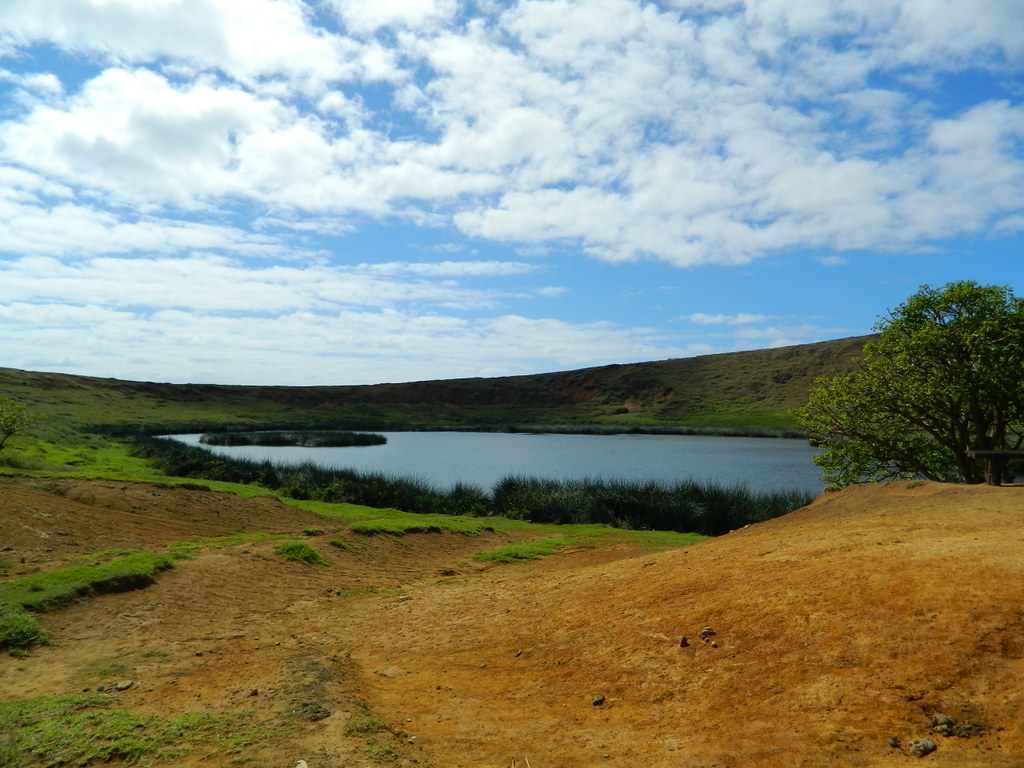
x: 300, y: 552
x: 19, y: 631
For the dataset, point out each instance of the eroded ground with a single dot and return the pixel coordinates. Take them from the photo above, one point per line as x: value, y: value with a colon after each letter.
x: 839, y: 629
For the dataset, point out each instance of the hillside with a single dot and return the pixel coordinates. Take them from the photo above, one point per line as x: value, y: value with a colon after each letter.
x: 737, y: 389
x: 841, y: 633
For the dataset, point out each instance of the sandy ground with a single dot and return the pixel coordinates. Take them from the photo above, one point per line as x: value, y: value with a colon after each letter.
x: 840, y: 630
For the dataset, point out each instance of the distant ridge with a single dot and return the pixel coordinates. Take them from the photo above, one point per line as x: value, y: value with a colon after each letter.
x: 736, y: 389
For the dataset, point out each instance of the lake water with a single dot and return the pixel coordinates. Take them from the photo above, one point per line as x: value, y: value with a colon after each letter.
x: 483, y: 458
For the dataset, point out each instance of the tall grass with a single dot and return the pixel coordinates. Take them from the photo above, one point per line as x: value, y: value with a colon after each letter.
x: 686, y: 506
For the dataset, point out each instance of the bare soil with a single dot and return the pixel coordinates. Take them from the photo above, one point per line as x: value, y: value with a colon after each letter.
x: 840, y: 630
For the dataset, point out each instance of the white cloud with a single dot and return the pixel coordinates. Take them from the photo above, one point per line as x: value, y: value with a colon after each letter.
x: 217, y: 284
x: 609, y: 126
x: 455, y: 268
x: 834, y: 261
x: 364, y: 16
x: 248, y: 41
x: 306, y: 348
x: 742, y: 318
x: 201, y: 133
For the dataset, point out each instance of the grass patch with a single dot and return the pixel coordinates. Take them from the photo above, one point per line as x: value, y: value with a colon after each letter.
x: 44, y: 590
x: 348, y: 546
x: 364, y: 725
x: 300, y: 552
x: 185, y: 550
x: 529, y: 550
x: 78, y: 731
x: 400, y: 526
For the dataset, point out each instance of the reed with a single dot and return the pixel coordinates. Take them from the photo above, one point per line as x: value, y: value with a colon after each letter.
x: 688, y: 506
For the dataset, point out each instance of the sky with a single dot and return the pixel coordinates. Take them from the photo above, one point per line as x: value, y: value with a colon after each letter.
x: 363, y: 191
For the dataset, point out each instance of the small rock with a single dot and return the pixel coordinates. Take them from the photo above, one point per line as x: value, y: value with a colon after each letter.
x: 123, y: 685
x: 683, y: 642
x: 706, y: 634
x: 390, y: 671
x: 943, y: 724
x: 921, y: 747
x: 254, y: 692
x: 598, y: 701
x: 714, y: 644
x: 894, y: 742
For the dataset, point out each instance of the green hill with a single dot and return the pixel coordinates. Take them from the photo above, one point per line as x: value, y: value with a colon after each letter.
x: 734, y: 390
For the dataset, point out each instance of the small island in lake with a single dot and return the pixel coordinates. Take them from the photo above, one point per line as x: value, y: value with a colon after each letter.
x: 323, y: 438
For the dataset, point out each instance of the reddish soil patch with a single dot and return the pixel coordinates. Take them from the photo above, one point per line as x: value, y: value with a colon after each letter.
x: 858, y: 620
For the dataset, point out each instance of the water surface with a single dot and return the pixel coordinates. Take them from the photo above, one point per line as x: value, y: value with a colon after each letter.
x: 483, y: 458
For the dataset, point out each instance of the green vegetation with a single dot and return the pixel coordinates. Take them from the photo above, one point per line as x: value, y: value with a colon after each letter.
x: 364, y: 724
x: 45, y: 590
x: 15, y: 418
x: 347, y: 546
x: 528, y: 550
x: 757, y: 389
x: 420, y: 524
x: 942, y: 380
x: 323, y: 438
x: 685, y: 506
x: 300, y: 552
x: 77, y: 731
x: 186, y: 550
x: 19, y: 631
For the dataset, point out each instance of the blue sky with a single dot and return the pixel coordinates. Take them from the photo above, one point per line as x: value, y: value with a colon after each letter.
x: 360, y: 191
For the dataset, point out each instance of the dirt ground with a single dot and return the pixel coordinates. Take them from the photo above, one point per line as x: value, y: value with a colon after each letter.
x: 823, y: 638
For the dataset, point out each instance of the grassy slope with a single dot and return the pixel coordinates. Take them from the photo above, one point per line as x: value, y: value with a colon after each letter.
x: 738, y: 389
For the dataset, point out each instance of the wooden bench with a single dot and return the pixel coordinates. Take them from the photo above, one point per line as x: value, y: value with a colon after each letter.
x: 996, y: 463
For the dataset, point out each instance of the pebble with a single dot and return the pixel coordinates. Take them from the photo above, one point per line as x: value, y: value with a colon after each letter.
x: 598, y: 701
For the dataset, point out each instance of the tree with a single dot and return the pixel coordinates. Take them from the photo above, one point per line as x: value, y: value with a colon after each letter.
x: 944, y: 377
x: 15, y: 417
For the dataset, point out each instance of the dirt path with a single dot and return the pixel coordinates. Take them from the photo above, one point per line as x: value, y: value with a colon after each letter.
x: 857, y: 620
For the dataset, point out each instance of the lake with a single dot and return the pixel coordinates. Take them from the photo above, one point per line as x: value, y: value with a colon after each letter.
x: 483, y: 458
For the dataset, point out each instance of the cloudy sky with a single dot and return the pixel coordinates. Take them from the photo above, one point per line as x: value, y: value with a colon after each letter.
x: 359, y: 191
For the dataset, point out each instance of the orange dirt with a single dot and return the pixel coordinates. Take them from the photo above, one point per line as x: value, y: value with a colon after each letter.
x: 856, y: 620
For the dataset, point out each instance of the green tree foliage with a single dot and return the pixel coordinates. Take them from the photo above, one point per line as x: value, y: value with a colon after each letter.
x: 15, y: 417
x: 944, y: 377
